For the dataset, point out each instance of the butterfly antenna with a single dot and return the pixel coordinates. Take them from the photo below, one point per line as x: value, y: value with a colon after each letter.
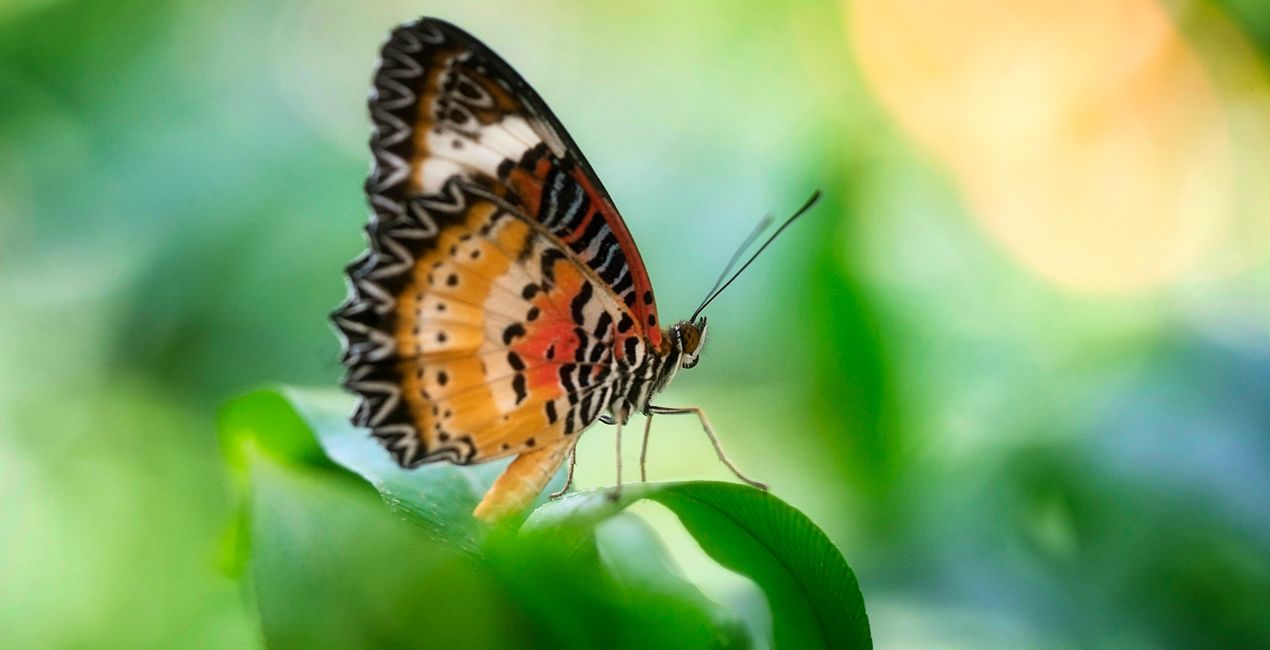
x: 745, y: 245
x: 714, y: 292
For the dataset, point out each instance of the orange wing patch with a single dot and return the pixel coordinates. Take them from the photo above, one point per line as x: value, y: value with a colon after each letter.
x: 459, y: 380
x: 483, y: 335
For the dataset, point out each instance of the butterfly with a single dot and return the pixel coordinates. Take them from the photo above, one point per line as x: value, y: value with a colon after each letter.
x: 502, y: 306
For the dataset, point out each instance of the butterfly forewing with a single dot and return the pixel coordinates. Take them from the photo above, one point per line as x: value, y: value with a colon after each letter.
x: 446, y: 106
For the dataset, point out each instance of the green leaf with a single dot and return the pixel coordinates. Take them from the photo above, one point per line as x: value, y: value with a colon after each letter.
x: 266, y: 421
x: 579, y: 573
x: 814, y: 598
x: 311, y: 427
x: 582, y: 599
x: 330, y: 570
x: 311, y: 534
x: 327, y: 567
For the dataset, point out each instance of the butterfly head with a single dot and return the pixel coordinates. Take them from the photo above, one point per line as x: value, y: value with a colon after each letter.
x: 690, y: 338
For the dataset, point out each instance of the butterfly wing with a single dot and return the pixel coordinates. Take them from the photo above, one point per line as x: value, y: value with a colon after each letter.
x: 486, y: 342
x: 445, y: 105
x: 500, y: 281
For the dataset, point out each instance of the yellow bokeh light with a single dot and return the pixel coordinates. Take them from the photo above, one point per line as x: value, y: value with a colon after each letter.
x: 1086, y: 136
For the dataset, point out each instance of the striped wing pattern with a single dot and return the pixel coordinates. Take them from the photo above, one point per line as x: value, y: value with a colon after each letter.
x: 501, y: 294
x: 470, y: 115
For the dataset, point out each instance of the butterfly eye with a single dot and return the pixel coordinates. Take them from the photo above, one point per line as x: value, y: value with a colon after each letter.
x: 689, y: 336
x: 691, y: 339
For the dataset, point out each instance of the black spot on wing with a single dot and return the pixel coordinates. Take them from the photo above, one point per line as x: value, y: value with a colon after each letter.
x: 518, y: 385
x: 602, y: 325
x: 623, y: 284
x: 566, y: 379
x: 513, y: 331
x: 505, y: 168
x: 578, y: 305
x: 580, y: 353
x: 548, y: 262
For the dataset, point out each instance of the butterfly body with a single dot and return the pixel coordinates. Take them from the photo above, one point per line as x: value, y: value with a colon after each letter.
x: 502, y: 306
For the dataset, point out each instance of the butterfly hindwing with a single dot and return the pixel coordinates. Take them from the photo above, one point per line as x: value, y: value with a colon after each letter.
x: 500, y: 341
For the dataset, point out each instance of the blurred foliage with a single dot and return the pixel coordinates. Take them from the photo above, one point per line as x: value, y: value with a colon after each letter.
x: 326, y: 571
x: 1016, y: 363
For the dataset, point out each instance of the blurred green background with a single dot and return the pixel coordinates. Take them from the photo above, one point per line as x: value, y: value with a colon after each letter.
x: 1017, y: 363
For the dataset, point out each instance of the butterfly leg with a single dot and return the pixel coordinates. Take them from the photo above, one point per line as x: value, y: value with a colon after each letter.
x: 617, y: 434
x: 643, y: 448
x: 568, y: 479
x: 714, y: 440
